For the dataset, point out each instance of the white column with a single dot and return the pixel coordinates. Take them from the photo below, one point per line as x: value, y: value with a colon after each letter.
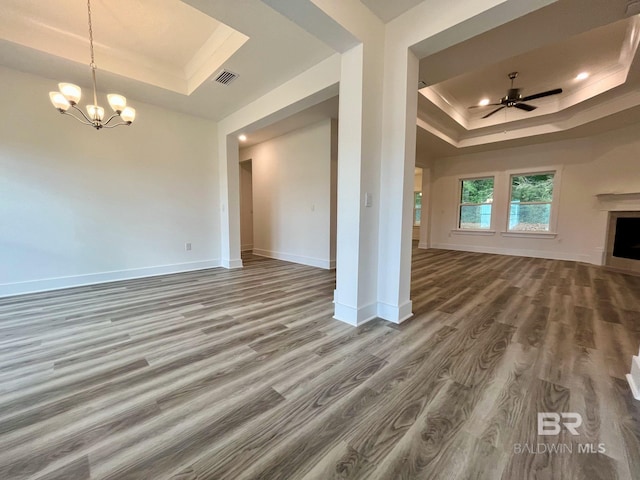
x: 358, y: 35
x: 396, y: 186
x: 229, y: 201
x: 634, y: 377
x: 358, y: 192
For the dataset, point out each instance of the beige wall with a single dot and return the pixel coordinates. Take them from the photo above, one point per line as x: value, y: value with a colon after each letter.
x: 82, y: 206
x: 292, y: 192
x: 601, y: 164
x: 246, y: 206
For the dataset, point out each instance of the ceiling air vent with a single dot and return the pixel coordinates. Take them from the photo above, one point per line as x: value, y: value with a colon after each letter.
x: 225, y: 77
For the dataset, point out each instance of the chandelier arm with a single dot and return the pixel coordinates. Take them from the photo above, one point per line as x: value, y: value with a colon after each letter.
x: 91, y: 122
x: 110, y: 118
x: 78, y: 119
x: 116, y: 125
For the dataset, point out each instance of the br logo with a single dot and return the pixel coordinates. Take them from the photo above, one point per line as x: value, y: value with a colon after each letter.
x: 549, y: 423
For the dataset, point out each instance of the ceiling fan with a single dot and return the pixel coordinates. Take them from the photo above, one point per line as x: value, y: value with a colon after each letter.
x: 514, y: 99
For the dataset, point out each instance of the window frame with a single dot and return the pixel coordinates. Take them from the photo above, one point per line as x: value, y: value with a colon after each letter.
x: 478, y: 231
x: 555, y: 200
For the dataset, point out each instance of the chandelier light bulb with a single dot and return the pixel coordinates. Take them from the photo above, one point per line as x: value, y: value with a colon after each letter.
x: 71, y: 92
x: 117, y: 102
x: 128, y: 114
x: 95, y: 112
x: 59, y: 101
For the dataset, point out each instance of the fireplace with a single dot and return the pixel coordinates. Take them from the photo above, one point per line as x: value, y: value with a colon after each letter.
x: 623, y: 241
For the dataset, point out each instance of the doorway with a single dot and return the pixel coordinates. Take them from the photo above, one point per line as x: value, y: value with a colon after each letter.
x: 246, y: 206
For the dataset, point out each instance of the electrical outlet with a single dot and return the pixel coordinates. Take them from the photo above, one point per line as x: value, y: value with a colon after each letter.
x: 187, y: 246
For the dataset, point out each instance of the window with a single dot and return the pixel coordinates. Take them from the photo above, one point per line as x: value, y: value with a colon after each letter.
x: 476, y: 198
x: 530, y: 205
x: 417, y: 208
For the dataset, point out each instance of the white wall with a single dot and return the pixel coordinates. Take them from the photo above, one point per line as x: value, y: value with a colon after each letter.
x: 246, y: 206
x: 333, y: 227
x: 292, y: 196
x: 81, y: 206
x: 602, y: 164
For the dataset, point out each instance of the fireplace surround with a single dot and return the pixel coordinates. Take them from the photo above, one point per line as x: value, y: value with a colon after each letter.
x: 623, y: 241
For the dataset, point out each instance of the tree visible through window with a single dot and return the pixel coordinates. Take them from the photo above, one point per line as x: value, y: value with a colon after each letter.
x: 417, y: 208
x: 476, y: 198
x: 531, y: 198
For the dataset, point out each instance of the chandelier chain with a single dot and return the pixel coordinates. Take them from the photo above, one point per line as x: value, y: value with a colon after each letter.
x: 93, y: 61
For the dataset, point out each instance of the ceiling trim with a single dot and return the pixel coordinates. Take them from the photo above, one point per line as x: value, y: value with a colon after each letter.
x: 561, y: 121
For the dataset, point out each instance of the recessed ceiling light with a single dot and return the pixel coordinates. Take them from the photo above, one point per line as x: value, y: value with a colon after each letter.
x: 242, y: 138
x: 484, y: 102
x: 582, y: 76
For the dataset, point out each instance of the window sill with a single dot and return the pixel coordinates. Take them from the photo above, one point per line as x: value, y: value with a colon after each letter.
x: 529, y: 234
x: 457, y: 231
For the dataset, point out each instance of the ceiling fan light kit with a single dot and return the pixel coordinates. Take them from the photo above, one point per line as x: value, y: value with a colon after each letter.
x: 514, y: 99
x: 69, y: 95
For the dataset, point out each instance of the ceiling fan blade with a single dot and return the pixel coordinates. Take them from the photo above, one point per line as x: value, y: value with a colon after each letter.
x: 524, y: 106
x: 491, y: 113
x: 482, y: 106
x: 542, y: 94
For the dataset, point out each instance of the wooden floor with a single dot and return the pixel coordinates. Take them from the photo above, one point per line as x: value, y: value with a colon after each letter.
x: 244, y: 374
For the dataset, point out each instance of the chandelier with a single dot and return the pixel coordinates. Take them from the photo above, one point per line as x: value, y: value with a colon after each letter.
x: 69, y: 95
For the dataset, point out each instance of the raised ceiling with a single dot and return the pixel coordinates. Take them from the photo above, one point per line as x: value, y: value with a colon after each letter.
x: 598, y: 40
x: 605, y: 54
x: 165, y: 43
x: 163, y: 52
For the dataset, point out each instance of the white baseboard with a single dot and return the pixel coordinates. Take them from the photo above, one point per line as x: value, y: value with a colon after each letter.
x: 423, y: 245
x: 393, y: 313
x: 634, y: 377
x: 551, y: 255
x: 231, y: 263
x: 332, y: 264
x: 247, y: 247
x: 359, y: 316
x: 287, y: 257
x: 355, y: 316
x: 58, y: 283
x: 599, y: 256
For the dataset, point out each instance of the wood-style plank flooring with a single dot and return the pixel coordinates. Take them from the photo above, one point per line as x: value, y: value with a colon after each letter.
x: 244, y: 374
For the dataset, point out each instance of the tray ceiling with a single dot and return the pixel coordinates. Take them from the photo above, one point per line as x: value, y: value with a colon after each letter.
x: 606, y: 53
x: 165, y: 43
